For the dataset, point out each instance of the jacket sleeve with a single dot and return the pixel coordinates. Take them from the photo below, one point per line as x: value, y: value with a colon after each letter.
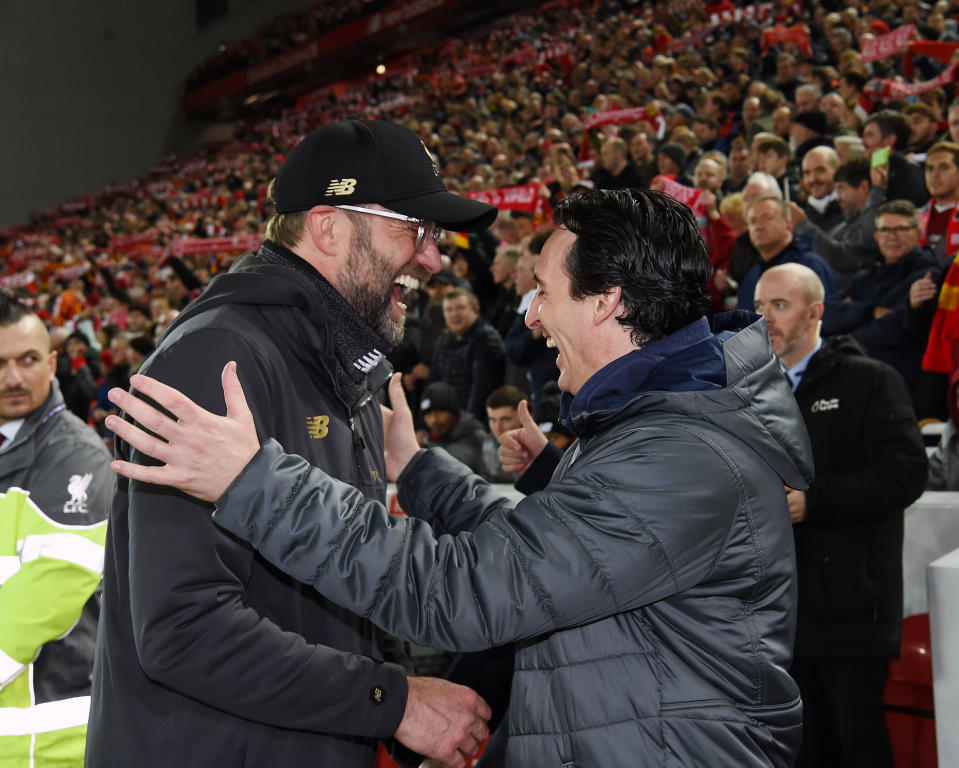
x: 586, y: 547
x: 892, y: 473
x: 489, y: 360
x: 193, y: 628
x: 59, y: 560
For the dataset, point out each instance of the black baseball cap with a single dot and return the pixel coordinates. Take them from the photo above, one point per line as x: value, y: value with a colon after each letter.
x: 355, y: 161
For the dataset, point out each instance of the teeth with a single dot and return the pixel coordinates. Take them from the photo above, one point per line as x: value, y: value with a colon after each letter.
x: 550, y: 343
x: 408, y: 280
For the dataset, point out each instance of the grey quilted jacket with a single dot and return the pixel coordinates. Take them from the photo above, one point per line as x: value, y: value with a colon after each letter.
x: 650, y: 586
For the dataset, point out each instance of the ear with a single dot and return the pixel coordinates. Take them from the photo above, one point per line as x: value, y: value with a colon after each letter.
x: 326, y: 229
x: 607, y: 305
x: 816, y: 310
x: 52, y: 364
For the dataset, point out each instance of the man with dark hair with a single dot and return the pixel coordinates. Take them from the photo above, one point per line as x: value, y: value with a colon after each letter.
x: 663, y: 533
x: 502, y: 415
x: 55, y: 491
x: 888, y: 129
x: 923, y: 125
x: 773, y: 157
x: 851, y: 244
x: 876, y: 308
x: 206, y: 655
x: 870, y: 465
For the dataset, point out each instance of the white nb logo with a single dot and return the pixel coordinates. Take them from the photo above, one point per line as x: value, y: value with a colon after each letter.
x: 341, y: 187
x: 77, y: 488
x: 825, y: 405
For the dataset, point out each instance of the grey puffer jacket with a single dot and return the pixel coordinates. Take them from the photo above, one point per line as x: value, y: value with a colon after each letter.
x: 650, y: 585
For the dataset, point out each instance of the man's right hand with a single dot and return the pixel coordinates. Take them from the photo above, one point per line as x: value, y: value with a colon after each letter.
x: 443, y: 720
x: 519, y: 447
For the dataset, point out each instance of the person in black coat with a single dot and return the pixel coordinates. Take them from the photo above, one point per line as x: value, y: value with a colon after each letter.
x: 848, y: 526
x: 875, y: 308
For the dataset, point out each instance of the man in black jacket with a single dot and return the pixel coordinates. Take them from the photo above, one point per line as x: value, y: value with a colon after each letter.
x: 206, y: 654
x: 870, y: 465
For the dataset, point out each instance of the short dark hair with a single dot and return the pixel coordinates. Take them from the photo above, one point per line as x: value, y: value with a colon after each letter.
x: 12, y: 310
x: 891, y: 122
x: 853, y: 172
x: 506, y: 396
x: 648, y: 244
x: 854, y: 79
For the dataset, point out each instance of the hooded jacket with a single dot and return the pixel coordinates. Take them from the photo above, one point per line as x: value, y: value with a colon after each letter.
x: 55, y: 491
x: 650, y: 585
x: 208, y: 655
x: 870, y: 465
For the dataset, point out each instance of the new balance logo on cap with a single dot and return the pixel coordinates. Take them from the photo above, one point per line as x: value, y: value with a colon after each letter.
x: 341, y: 187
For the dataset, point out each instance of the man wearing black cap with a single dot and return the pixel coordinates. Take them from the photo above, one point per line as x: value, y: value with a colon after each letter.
x: 207, y: 655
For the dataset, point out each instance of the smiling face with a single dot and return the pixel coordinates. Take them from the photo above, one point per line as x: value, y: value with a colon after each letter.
x: 817, y: 174
x: 565, y: 322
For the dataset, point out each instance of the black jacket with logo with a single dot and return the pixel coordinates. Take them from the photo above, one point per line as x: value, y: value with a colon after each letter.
x: 870, y: 465
x: 207, y: 654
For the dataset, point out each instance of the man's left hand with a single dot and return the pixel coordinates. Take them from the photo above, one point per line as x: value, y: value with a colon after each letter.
x: 797, y: 504
x: 203, y: 452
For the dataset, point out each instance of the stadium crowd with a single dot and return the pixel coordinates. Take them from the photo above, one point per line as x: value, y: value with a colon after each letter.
x: 814, y: 133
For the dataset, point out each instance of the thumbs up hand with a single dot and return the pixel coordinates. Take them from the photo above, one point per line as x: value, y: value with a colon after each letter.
x: 519, y: 447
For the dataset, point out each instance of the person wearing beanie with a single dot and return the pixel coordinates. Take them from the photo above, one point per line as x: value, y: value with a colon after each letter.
x: 206, y: 655
x: 809, y: 129
x: 454, y: 430
x: 671, y: 161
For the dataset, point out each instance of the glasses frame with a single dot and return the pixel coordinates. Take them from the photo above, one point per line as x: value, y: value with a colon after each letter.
x: 425, y: 229
x: 900, y: 230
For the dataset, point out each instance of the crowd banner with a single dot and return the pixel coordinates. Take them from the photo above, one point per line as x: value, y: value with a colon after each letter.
x: 235, y: 244
x: 525, y: 197
x: 654, y: 118
x: 19, y: 280
x: 887, y: 45
x: 132, y: 242
x: 890, y: 89
x: 687, y: 195
x: 780, y: 34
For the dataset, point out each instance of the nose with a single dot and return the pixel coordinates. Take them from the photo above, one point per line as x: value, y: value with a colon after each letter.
x: 10, y: 374
x: 429, y: 258
x: 532, y: 312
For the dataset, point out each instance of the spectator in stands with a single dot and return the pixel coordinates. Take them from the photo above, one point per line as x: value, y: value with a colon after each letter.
x: 821, y: 201
x: 873, y: 309
x: 939, y: 218
x: 501, y: 310
x: 469, y: 355
x: 809, y: 130
x: 851, y: 244
x: 953, y: 117
x: 786, y: 79
x: 78, y: 371
x: 807, y: 97
x: 502, y: 416
x: 888, y: 128
x: 773, y: 157
x: 834, y: 108
x: 745, y: 256
x: 739, y: 168
x: 848, y: 525
x: 617, y: 170
x: 671, y: 161
x: 454, y: 430
x: 770, y: 231
x: 923, y: 128
x: 642, y: 154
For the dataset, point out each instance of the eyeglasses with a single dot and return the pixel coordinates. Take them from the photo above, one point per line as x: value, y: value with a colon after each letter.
x: 894, y: 230
x: 426, y: 230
